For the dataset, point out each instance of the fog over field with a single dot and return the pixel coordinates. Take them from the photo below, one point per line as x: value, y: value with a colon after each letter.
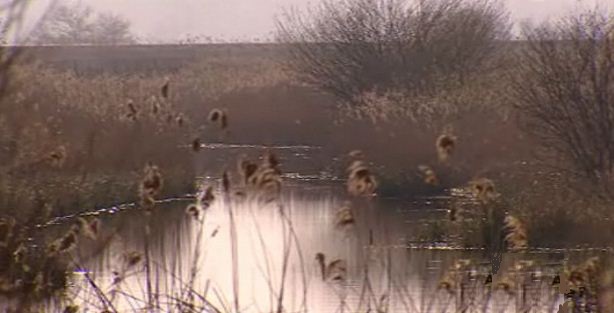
x: 251, y: 20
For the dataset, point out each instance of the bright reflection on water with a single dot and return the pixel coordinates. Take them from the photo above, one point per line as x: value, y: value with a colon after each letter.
x: 381, y: 271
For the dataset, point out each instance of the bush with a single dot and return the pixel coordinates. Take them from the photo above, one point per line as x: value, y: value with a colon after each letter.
x: 349, y: 48
x: 565, y: 88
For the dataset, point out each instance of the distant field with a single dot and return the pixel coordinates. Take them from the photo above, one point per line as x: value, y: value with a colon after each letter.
x: 142, y: 58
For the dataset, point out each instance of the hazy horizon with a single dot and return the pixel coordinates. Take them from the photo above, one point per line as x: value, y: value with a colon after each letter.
x: 171, y: 21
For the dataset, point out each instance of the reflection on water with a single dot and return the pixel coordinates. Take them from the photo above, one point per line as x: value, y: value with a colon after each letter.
x: 380, y: 271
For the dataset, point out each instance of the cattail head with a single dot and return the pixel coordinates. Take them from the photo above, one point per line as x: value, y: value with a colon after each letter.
x: 445, y: 145
x: 205, y: 197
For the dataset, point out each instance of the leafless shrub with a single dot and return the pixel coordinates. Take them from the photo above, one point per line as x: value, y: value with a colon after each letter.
x: 565, y: 88
x: 347, y: 48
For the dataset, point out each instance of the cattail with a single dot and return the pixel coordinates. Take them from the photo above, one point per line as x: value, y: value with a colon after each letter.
x: 445, y: 145
x: 196, y: 145
x: 428, y: 174
x: 165, y: 88
x: 515, y: 233
x: 483, y: 189
x: 344, y: 218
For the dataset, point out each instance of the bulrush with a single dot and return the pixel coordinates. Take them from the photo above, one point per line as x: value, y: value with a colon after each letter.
x: 150, y: 186
x: 336, y: 270
x: 428, y: 175
x: 445, y: 145
x: 361, y: 182
x: 515, y: 233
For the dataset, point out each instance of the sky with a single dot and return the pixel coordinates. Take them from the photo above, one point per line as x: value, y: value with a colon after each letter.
x: 249, y: 20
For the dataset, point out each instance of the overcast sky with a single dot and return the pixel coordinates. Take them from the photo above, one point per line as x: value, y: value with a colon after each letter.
x: 173, y: 20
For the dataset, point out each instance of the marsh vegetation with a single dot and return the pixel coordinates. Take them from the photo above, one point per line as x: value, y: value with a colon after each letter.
x: 381, y: 157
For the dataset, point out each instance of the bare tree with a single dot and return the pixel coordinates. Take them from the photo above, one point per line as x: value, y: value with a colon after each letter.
x: 112, y: 29
x: 565, y: 88
x: 12, y: 14
x: 69, y: 24
x: 349, y: 47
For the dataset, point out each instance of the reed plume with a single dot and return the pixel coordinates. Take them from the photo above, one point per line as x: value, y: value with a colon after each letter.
x: 344, y: 218
x: 445, y: 146
x: 219, y: 117
x: 483, y: 190
x: 150, y: 186
x: 360, y: 182
x: 515, y: 233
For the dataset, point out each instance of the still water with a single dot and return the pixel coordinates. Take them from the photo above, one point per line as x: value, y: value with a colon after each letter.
x: 376, y: 265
